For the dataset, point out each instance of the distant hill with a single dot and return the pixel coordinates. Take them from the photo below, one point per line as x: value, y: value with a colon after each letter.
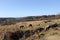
x: 6, y: 21
x: 37, y: 18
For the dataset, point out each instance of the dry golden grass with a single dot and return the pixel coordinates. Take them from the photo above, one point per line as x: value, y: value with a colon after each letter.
x: 16, y: 27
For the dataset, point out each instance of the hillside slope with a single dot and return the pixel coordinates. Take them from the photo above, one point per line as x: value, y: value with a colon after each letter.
x: 36, y: 36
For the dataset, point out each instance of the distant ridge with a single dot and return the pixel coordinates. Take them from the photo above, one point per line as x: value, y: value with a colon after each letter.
x: 12, y: 20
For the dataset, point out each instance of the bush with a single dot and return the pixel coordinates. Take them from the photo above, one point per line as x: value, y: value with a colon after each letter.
x: 59, y: 25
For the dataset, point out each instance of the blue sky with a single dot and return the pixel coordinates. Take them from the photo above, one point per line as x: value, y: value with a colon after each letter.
x: 21, y: 8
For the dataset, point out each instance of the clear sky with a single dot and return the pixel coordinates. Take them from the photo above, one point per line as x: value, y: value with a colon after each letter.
x: 21, y: 8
